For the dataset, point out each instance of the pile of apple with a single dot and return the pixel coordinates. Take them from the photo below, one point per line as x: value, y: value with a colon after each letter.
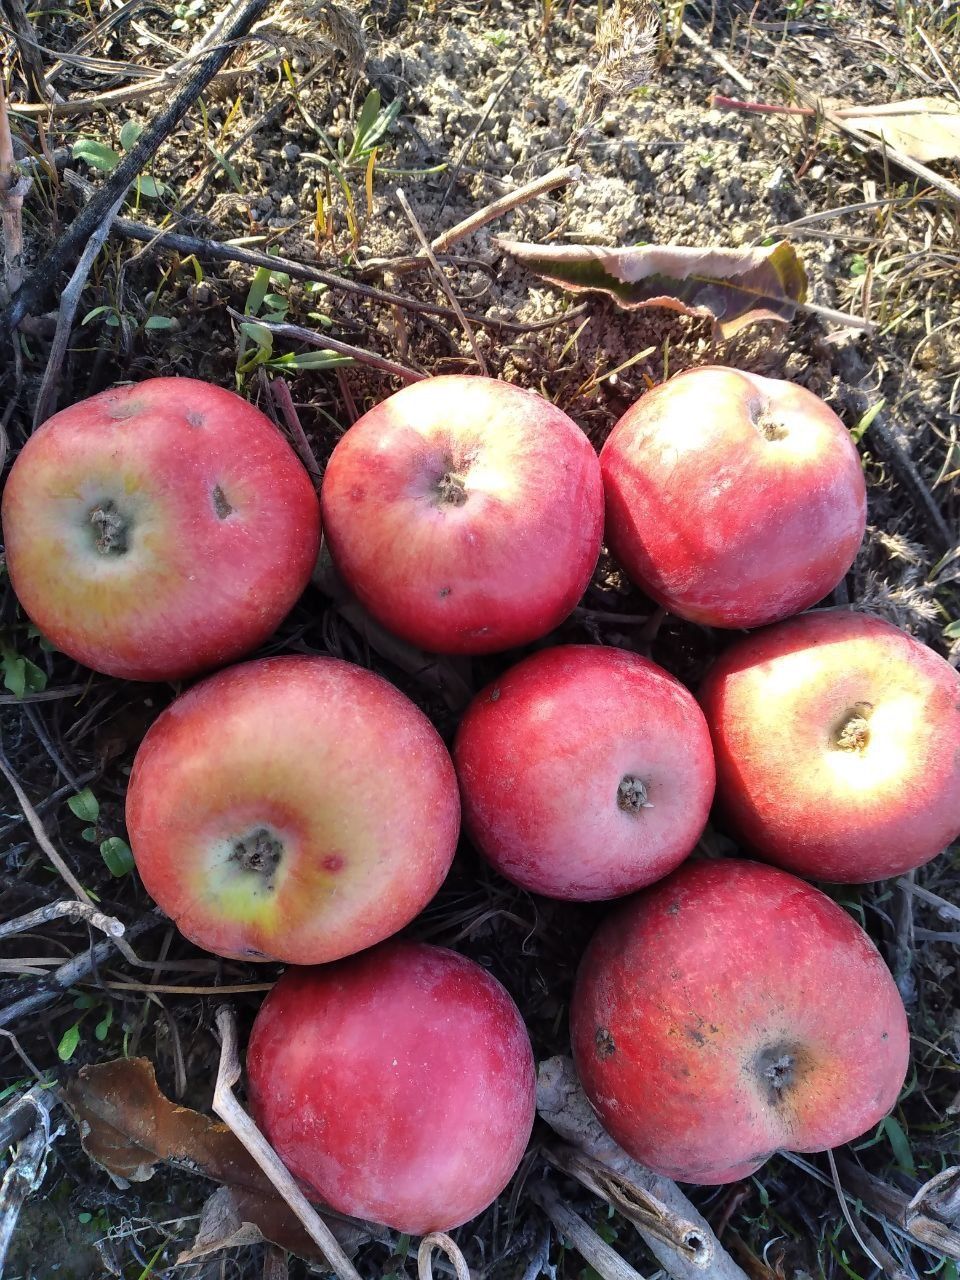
x: 302, y: 809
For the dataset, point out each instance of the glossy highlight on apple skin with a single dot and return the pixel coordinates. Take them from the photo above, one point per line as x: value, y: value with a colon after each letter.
x: 732, y: 499
x: 585, y: 772
x: 837, y: 739
x: 398, y: 1085
x: 157, y: 530
x: 731, y: 1010
x: 294, y: 808
x: 465, y: 513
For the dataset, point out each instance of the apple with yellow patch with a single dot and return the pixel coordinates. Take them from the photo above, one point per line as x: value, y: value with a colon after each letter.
x: 731, y: 1010
x: 733, y: 499
x: 837, y: 740
x: 156, y: 530
x: 294, y: 808
x: 465, y: 513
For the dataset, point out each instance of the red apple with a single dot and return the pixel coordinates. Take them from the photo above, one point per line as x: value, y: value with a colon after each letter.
x: 293, y: 809
x: 466, y: 514
x: 398, y: 1085
x: 585, y: 772
x: 838, y: 746
x: 731, y: 1010
x: 156, y: 530
x: 733, y: 500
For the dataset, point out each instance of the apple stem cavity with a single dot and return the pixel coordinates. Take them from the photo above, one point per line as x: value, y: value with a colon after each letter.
x: 632, y: 794
x: 258, y: 853
x: 853, y: 732
x: 451, y: 489
x: 768, y: 427
x: 110, y: 529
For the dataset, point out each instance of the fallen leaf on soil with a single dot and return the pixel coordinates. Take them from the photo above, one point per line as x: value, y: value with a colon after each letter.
x: 923, y: 128
x: 128, y: 1127
x: 730, y: 287
x: 234, y: 1216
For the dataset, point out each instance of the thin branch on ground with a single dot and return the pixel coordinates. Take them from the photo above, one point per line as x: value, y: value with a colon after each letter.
x: 280, y: 392
x: 562, y: 1103
x: 846, y: 1211
x: 226, y: 1106
x: 13, y: 187
x: 45, y: 275
x: 26, y: 1170
x: 724, y: 63
x: 637, y: 1204
x: 560, y: 177
x: 26, y: 45
x: 442, y: 279
x: 46, y: 401
x: 946, y: 909
x: 311, y: 339
x: 605, y: 1261
x: 73, y: 911
x: 74, y: 971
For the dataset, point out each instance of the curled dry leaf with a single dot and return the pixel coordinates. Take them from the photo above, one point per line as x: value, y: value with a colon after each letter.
x: 923, y: 128
x: 731, y: 287
x: 128, y: 1127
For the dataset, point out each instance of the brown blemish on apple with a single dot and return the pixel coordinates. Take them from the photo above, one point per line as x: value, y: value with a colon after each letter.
x: 777, y: 1068
x: 194, y: 419
x: 123, y: 408
x: 494, y: 695
x: 605, y: 1043
x: 220, y: 504
x: 444, y: 591
x: 110, y: 528
x: 673, y: 909
x: 451, y: 489
x: 632, y: 794
x: 852, y: 733
x: 334, y: 862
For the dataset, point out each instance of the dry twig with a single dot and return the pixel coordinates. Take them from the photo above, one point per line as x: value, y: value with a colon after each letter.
x: 226, y: 1106
x: 562, y: 1103
x: 28, y: 1166
x: 440, y: 1240
x: 605, y: 1261
x: 40, y: 835
x: 311, y: 339
x: 74, y: 911
x: 46, y: 274
x: 560, y: 177
x: 444, y: 282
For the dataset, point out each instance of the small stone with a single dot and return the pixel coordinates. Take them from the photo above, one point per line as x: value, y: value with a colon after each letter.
x: 290, y: 152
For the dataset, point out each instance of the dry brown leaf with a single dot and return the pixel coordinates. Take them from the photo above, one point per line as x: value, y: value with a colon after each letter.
x: 730, y: 287
x: 923, y: 128
x: 128, y: 1127
x: 234, y: 1217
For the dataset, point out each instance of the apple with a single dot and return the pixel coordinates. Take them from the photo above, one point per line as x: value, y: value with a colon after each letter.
x: 293, y: 808
x: 585, y: 772
x: 731, y: 1010
x: 732, y: 499
x: 160, y: 529
x: 837, y: 739
x: 398, y: 1085
x: 466, y: 514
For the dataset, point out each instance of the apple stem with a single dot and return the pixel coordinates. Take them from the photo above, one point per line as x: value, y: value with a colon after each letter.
x: 109, y: 527
x: 632, y: 794
x: 451, y: 490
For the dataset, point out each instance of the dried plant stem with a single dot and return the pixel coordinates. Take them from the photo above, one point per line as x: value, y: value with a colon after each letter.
x: 440, y: 1240
x: 27, y: 1168
x: 74, y: 971
x: 637, y: 1204
x: 45, y: 275
x: 74, y: 911
x: 113, y: 98
x: 944, y: 908
x: 46, y: 401
x: 40, y: 835
x: 562, y: 1103
x: 605, y: 1261
x: 280, y: 393
x: 226, y: 1106
x: 13, y: 188
x: 716, y: 56
x: 560, y: 177
x: 444, y: 282
x: 310, y: 338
